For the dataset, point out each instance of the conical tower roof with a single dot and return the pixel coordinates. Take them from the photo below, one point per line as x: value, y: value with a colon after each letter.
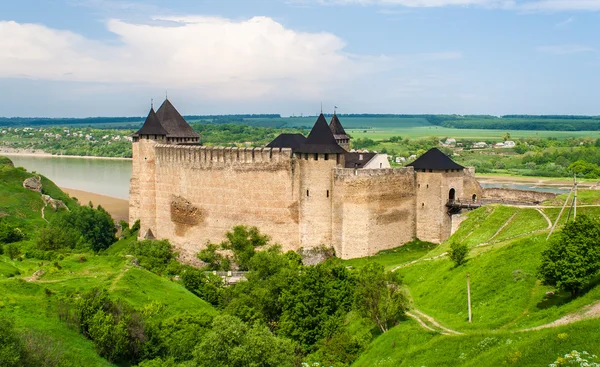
x: 152, y: 126
x: 435, y: 159
x: 320, y: 139
x: 337, y: 129
x: 173, y: 122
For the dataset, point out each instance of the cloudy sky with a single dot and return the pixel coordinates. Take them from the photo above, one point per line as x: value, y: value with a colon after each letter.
x: 111, y: 57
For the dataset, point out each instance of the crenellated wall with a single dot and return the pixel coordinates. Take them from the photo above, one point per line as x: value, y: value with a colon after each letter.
x: 202, y: 192
x: 374, y: 209
x: 193, y: 194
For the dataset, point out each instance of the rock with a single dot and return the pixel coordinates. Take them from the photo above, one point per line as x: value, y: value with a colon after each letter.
x: 315, y: 255
x: 54, y: 203
x: 33, y: 183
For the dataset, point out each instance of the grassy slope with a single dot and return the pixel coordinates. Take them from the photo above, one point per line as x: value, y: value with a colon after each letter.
x: 28, y: 303
x: 506, y: 298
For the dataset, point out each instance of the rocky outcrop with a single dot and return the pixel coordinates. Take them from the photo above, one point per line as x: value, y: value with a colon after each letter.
x: 54, y: 203
x: 33, y: 183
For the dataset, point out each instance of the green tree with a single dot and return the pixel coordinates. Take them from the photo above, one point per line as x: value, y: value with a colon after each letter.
x: 9, y: 233
x: 153, y: 255
x: 315, y: 301
x: 213, y: 259
x: 231, y: 343
x: 506, y: 137
x: 458, y: 253
x: 572, y: 258
x: 95, y: 225
x: 11, y: 348
x: 243, y: 241
x: 205, y: 285
x: 12, y: 251
x: 379, y: 295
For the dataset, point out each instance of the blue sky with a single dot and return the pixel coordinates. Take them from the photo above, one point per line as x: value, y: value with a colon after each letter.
x: 110, y: 58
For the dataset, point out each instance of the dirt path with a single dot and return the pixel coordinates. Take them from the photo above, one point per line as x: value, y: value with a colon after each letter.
x: 113, y: 284
x: 429, y: 323
x: 545, y: 217
x: 588, y: 312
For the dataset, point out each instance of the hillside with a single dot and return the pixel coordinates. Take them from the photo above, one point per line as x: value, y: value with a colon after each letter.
x: 35, y: 284
x: 508, y: 300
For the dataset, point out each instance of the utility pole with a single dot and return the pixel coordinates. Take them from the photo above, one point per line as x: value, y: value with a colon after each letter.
x: 469, y: 297
x: 575, y: 197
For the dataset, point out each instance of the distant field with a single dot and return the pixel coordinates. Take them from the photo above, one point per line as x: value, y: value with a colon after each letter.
x: 379, y: 133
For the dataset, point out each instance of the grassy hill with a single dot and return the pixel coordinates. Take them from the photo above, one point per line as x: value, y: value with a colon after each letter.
x: 508, y: 299
x: 31, y: 289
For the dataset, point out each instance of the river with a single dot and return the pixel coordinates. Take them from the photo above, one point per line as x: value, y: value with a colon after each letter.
x: 108, y: 177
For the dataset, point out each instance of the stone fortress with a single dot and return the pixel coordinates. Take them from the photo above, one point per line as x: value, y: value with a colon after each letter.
x: 303, y: 192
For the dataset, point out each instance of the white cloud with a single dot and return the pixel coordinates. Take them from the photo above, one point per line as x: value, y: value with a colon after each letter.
x: 217, y: 58
x: 565, y: 23
x: 565, y: 49
x: 520, y: 5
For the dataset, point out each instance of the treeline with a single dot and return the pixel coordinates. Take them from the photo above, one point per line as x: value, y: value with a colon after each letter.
x: 518, y: 122
x: 46, y: 121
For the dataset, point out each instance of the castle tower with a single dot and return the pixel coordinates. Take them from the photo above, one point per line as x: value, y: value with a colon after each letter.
x: 179, y: 131
x: 438, y: 180
x: 317, y: 158
x: 339, y: 133
x: 142, y: 190
x: 166, y: 126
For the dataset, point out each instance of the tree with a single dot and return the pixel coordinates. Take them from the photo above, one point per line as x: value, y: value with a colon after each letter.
x: 379, y: 295
x: 572, y: 258
x: 243, y: 241
x: 12, y: 251
x: 95, y: 225
x: 506, y: 137
x: 11, y: 348
x: 231, y: 343
x: 458, y: 253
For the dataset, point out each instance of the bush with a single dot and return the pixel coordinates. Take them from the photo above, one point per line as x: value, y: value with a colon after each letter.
x: 205, y: 285
x: 153, y: 255
x: 12, y: 251
x: 458, y: 253
x: 53, y: 237
x: 96, y: 226
x: 572, y: 259
x: 11, y: 348
x: 9, y: 233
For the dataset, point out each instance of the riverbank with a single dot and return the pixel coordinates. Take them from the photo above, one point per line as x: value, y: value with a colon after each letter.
x: 536, y: 181
x: 118, y: 208
x: 40, y: 153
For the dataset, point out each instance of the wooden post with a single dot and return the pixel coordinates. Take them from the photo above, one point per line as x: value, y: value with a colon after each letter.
x: 469, y: 296
x: 575, y: 197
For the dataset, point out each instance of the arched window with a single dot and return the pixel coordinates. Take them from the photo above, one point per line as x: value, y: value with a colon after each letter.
x: 474, y: 197
x: 452, y: 195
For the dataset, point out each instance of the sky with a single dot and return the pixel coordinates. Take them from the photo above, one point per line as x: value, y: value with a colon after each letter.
x: 78, y: 58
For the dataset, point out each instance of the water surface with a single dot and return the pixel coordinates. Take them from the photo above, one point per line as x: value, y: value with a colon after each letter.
x: 108, y: 177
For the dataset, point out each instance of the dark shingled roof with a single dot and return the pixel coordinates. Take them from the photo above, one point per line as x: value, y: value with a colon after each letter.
x: 320, y: 139
x: 293, y: 141
x: 435, y: 159
x: 352, y: 159
x: 173, y: 122
x: 337, y: 129
x: 152, y: 126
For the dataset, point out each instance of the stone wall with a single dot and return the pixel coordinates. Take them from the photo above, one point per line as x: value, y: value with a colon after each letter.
x: 374, y: 209
x: 521, y: 196
x: 203, y: 192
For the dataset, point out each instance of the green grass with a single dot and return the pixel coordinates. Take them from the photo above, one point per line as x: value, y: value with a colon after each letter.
x: 493, y: 223
x: 409, y: 345
x: 526, y: 221
x: 584, y: 197
x: 415, y: 132
x: 394, y: 257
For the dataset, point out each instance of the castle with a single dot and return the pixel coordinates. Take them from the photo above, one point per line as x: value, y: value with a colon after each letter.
x: 301, y: 191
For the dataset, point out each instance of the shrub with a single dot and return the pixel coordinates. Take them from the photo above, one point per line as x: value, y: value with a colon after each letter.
x: 572, y: 259
x: 153, y: 255
x: 9, y: 233
x: 12, y: 251
x: 458, y: 253
x: 205, y: 285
